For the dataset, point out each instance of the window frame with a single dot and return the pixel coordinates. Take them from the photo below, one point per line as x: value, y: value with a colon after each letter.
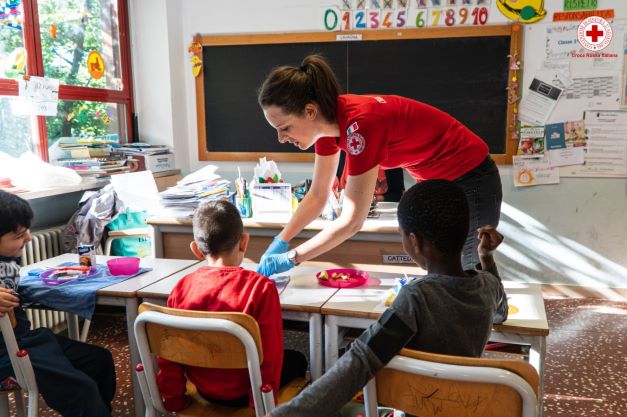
x: 32, y: 43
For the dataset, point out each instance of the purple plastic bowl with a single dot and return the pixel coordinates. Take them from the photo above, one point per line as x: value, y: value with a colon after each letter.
x: 123, y: 266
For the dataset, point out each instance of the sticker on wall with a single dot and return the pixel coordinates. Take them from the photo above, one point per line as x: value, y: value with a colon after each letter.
x: 195, y: 48
x: 524, y: 11
x: 95, y: 65
x: 15, y: 63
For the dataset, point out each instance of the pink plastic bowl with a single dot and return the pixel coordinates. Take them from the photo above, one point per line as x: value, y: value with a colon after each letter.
x: 123, y: 266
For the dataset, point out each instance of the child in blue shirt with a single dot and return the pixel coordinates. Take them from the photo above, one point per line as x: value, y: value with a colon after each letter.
x: 76, y: 379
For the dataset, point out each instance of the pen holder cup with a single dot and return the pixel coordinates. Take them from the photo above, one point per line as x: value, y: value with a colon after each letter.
x: 244, y: 205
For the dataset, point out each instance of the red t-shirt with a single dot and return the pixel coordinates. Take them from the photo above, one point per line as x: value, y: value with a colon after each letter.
x: 394, y: 131
x: 227, y: 289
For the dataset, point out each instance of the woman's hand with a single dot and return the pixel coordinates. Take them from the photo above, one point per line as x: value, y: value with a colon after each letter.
x: 277, y: 246
x: 274, y: 264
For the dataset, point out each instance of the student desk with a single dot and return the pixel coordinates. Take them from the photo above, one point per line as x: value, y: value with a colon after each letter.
x: 121, y: 294
x: 172, y: 237
x: 301, y: 300
x: 360, y: 307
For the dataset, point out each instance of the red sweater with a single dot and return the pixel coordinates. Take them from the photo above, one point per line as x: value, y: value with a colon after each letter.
x: 225, y: 289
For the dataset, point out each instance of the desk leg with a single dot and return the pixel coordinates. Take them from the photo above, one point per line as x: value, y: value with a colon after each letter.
x: 157, y: 241
x: 330, y: 341
x: 131, y: 314
x: 315, y: 345
x: 537, y: 353
x: 72, y: 326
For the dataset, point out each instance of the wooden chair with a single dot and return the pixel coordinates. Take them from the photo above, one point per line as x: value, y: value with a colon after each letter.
x: 428, y: 385
x: 205, y: 339
x: 23, y: 370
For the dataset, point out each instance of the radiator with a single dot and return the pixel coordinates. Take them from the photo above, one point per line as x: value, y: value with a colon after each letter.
x: 46, y: 244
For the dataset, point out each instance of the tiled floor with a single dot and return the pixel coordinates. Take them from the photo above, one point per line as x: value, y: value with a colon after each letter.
x: 586, y: 363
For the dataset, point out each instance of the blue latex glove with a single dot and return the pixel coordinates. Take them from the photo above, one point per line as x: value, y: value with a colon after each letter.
x: 277, y: 246
x: 274, y: 264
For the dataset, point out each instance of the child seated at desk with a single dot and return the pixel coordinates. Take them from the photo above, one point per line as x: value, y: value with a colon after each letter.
x: 448, y: 311
x: 223, y: 285
x: 75, y: 378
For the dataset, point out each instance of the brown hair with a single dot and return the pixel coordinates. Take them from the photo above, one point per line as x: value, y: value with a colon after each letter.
x: 291, y: 88
x: 217, y: 227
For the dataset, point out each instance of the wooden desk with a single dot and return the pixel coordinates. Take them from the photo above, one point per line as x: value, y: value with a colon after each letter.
x: 121, y: 294
x: 360, y: 307
x: 301, y: 300
x: 377, y: 237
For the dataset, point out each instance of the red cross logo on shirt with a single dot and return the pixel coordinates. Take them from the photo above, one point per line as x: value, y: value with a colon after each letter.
x: 594, y: 33
x: 355, y: 143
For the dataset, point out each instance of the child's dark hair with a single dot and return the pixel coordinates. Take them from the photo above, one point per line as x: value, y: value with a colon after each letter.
x: 15, y: 213
x: 437, y: 210
x: 217, y: 227
x: 291, y: 88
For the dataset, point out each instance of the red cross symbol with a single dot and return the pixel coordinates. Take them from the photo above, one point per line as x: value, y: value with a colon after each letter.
x: 354, y: 143
x: 595, y: 33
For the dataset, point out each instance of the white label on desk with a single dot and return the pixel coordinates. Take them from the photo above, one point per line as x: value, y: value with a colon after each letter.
x: 397, y: 259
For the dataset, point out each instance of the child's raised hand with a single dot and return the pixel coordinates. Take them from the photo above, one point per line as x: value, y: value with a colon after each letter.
x: 489, y: 240
x: 8, y: 301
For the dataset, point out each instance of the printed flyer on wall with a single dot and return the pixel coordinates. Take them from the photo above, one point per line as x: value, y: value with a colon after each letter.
x: 528, y: 172
x: 531, y: 143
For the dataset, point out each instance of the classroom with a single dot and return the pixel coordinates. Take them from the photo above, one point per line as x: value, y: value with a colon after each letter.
x: 349, y: 208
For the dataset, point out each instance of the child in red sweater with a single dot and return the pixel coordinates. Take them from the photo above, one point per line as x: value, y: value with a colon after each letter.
x: 223, y: 285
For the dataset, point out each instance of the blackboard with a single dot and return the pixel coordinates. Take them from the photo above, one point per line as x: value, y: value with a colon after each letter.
x: 464, y: 72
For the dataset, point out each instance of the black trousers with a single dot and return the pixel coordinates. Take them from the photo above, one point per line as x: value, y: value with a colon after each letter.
x: 482, y: 186
x: 76, y: 379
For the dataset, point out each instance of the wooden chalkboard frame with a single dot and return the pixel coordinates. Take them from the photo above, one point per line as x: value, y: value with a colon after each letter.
x: 204, y: 154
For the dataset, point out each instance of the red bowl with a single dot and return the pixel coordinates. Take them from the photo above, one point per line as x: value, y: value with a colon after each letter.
x: 356, y: 278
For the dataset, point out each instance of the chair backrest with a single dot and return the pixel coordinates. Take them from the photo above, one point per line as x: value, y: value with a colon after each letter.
x: 197, y: 338
x: 428, y: 384
x: 22, y: 367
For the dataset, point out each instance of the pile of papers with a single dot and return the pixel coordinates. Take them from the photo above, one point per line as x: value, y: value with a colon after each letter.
x: 195, y: 188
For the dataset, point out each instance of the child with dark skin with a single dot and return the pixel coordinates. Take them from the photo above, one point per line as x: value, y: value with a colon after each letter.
x: 448, y: 311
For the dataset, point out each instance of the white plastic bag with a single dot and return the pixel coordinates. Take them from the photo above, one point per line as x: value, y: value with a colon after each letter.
x: 30, y: 172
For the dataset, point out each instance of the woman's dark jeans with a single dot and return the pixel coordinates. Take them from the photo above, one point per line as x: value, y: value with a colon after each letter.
x: 482, y: 186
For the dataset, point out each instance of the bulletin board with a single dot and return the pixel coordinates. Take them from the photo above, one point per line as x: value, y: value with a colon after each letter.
x: 462, y: 70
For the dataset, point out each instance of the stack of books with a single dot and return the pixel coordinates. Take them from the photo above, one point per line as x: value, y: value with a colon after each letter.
x: 92, y: 157
x: 189, y: 192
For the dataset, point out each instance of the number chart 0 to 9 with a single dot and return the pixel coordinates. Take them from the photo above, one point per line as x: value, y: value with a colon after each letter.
x: 340, y: 20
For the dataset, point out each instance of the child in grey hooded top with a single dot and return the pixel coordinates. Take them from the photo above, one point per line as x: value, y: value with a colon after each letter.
x: 448, y: 311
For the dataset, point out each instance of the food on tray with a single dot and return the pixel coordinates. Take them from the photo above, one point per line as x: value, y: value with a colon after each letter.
x: 334, y: 275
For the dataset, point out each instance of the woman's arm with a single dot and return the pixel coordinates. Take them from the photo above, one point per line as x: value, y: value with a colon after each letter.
x: 316, y: 198
x: 357, y: 198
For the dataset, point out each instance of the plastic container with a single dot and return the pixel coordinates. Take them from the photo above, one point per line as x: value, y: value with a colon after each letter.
x: 354, y: 278
x: 127, y: 265
x: 56, y: 276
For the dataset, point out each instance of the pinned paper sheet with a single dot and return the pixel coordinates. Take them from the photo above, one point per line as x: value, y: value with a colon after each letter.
x: 38, y: 96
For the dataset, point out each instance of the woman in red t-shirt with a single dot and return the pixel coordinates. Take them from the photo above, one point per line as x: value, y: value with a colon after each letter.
x: 306, y: 108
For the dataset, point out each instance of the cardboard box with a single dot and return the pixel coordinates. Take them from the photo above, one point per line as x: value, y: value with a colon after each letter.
x: 271, y: 198
x: 155, y: 163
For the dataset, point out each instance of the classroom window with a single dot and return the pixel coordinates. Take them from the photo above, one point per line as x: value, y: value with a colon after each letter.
x: 83, y: 44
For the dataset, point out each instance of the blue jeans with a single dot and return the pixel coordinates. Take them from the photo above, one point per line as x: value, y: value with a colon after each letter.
x: 482, y: 186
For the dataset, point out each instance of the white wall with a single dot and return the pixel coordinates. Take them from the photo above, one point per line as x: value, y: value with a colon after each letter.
x: 571, y: 233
